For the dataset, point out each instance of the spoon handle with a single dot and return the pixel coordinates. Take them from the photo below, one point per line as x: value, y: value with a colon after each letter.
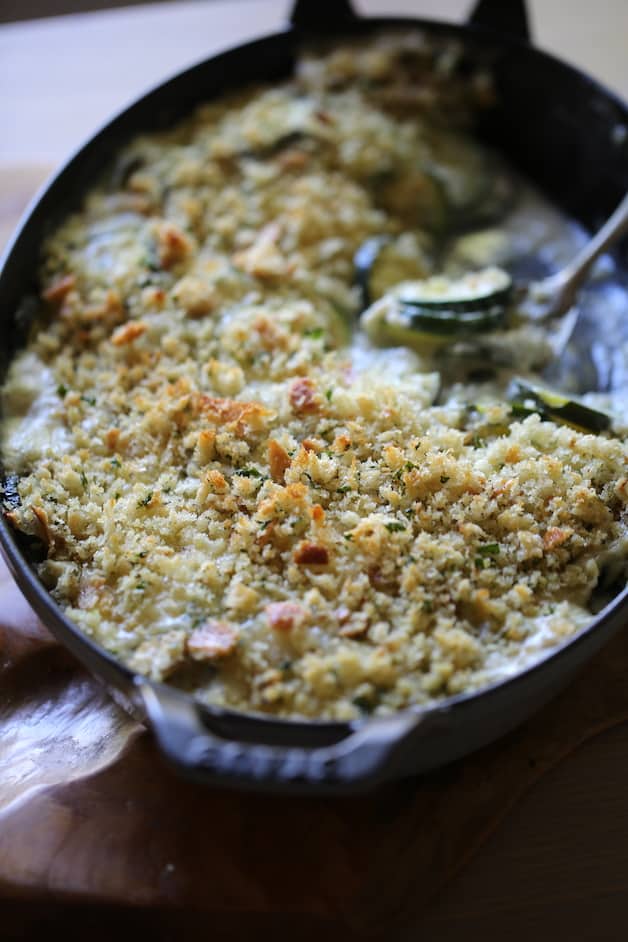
x: 563, y: 287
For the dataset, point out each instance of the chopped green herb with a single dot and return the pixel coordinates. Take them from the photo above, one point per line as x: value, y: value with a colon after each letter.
x: 328, y: 394
x: 62, y: 391
x: 285, y: 665
x: 343, y: 489
x: 395, y: 527
x: 428, y: 606
x: 519, y: 409
x: 83, y: 479
x: 315, y: 334
x: 142, y: 555
x: 115, y: 463
x: 444, y: 478
x: 363, y: 704
x: 90, y: 400
x: 248, y: 473
x: 145, y: 501
x: 489, y: 549
x: 409, y: 466
x: 264, y: 523
x: 479, y: 562
x: 349, y: 537
x: 477, y: 441
x: 140, y: 586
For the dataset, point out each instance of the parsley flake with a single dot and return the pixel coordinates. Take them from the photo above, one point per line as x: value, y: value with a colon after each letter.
x: 248, y: 473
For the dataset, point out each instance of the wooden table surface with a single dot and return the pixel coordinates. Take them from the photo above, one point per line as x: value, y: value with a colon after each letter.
x: 559, y: 862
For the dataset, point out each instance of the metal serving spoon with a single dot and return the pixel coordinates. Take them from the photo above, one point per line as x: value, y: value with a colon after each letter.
x: 553, y: 296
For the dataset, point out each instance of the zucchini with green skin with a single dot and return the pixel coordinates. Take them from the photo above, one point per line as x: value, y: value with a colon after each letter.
x: 417, y: 197
x: 452, y: 322
x: 477, y: 188
x: 527, y: 398
x: 439, y: 310
x: 474, y: 292
x: 389, y: 324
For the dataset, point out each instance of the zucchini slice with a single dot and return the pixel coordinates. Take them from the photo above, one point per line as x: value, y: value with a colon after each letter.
x: 452, y: 322
x: 440, y: 310
x: 527, y: 398
x: 416, y: 196
x: 474, y: 292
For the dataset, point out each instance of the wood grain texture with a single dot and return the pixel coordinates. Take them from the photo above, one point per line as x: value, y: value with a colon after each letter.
x: 133, y: 833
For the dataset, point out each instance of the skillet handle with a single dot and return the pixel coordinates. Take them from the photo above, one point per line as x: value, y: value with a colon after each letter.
x: 312, y: 16
x: 365, y: 757
x: 504, y: 16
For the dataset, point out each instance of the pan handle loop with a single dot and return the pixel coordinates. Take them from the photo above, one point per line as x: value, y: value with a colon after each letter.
x: 365, y: 757
x: 504, y: 16
x: 312, y: 16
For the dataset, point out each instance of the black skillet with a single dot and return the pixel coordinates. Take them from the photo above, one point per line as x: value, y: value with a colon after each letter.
x: 566, y: 133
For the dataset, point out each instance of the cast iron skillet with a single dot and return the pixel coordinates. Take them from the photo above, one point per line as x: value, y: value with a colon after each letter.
x: 565, y: 132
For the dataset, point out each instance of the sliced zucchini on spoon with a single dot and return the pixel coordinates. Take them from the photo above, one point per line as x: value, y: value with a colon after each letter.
x: 527, y: 398
x: 436, y: 311
x: 474, y: 292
